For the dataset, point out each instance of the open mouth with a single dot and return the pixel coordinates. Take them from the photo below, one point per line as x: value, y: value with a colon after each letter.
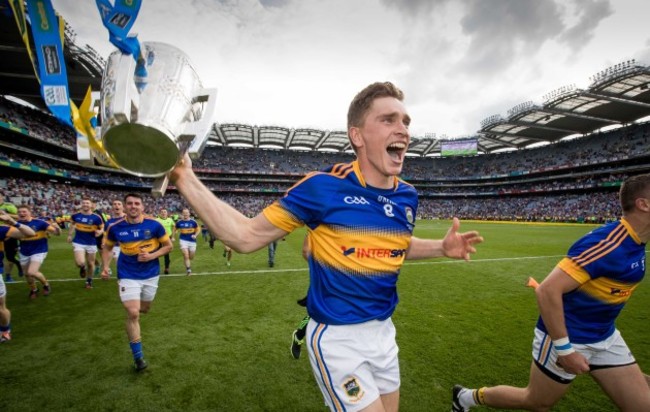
x: 396, y: 150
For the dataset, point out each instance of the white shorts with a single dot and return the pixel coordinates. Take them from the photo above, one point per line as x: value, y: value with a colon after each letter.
x: 611, y: 352
x: 353, y: 364
x: 36, y: 257
x: 3, y: 288
x: 116, y: 251
x: 133, y: 289
x: 186, y: 244
x: 78, y: 247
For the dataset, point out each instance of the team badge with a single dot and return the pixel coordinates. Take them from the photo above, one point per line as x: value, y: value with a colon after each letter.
x: 147, y: 234
x: 353, y: 390
x: 409, y: 214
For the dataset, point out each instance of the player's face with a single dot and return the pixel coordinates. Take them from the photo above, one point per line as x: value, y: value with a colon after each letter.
x: 134, y: 207
x: 163, y: 213
x: 186, y: 214
x: 86, y: 205
x: 382, y: 140
x: 24, y: 214
x: 118, y: 207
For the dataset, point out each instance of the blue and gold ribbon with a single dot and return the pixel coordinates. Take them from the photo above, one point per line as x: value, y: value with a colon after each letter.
x: 51, y: 63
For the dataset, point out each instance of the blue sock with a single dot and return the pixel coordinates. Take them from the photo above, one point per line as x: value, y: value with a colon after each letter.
x: 136, y: 349
x: 5, y: 328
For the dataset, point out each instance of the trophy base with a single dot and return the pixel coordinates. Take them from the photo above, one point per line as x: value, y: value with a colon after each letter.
x: 141, y: 150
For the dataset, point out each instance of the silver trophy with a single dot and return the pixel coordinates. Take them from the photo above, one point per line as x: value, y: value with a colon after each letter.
x: 149, y: 122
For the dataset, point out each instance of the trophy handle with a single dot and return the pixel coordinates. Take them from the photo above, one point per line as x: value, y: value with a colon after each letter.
x: 201, y: 128
x: 84, y: 155
x: 126, y: 97
x: 160, y: 187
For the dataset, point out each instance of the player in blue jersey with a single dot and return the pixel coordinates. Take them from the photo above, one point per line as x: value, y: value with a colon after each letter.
x: 142, y: 241
x: 579, y: 302
x: 9, y: 229
x: 117, y: 213
x: 33, y: 249
x: 187, y: 230
x: 85, y: 227
x: 360, y: 218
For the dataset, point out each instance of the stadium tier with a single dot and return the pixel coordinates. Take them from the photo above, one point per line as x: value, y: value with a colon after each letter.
x: 574, y: 180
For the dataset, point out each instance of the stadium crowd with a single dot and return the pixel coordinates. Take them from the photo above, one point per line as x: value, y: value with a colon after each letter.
x: 572, y: 181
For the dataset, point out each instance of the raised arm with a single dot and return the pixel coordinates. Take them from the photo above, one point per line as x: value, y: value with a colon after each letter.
x: 241, y: 233
x: 22, y: 230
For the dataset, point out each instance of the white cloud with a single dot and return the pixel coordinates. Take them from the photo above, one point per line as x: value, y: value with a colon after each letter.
x: 298, y: 63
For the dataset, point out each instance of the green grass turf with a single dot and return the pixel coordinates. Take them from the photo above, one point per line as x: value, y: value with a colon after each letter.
x: 219, y: 340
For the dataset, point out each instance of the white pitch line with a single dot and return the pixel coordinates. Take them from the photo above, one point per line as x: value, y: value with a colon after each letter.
x: 271, y: 271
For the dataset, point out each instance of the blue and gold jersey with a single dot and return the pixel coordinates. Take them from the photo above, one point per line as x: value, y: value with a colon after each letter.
x: 35, y: 244
x: 358, y: 238
x: 85, y: 227
x: 134, y: 238
x: 187, y: 228
x: 609, y: 263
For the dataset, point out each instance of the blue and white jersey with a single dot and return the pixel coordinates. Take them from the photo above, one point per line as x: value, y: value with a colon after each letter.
x: 609, y: 263
x: 358, y: 238
x: 187, y: 228
x: 85, y: 226
x: 32, y: 245
x: 135, y: 238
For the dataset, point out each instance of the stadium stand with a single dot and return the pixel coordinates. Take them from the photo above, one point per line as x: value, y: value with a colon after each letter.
x: 250, y: 166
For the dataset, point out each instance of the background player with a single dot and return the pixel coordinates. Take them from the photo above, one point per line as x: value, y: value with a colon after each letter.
x: 117, y: 213
x: 14, y: 230
x: 188, y: 230
x: 170, y: 228
x: 33, y: 249
x: 85, y: 226
x: 142, y: 241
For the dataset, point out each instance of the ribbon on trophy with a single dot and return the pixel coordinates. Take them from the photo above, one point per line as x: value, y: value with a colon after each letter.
x: 89, y: 146
x: 119, y: 19
x: 51, y: 64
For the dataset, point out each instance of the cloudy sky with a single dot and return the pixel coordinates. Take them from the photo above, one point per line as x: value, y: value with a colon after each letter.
x: 298, y: 63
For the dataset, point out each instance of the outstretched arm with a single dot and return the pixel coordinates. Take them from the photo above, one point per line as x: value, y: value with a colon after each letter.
x: 454, y: 245
x: 241, y: 233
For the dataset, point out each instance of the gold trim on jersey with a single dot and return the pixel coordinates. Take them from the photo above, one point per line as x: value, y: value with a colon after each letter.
x: 604, y: 289
x: 380, y: 252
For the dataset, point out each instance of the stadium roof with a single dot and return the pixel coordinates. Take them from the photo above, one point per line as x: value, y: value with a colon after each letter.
x: 84, y: 66
x: 618, y: 95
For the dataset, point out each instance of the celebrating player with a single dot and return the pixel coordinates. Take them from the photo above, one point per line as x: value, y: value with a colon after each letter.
x: 579, y: 302
x: 360, y: 218
x: 85, y: 226
x: 142, y: 241
x: 33, y: 249
x: 188, y: 230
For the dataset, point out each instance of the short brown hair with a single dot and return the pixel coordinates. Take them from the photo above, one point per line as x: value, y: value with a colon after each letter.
x: 361, y: 103
x: 632, y: 189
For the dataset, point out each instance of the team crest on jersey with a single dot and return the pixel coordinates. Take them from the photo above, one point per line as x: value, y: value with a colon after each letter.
x: 353, y: 390
x: 409, y: 214
x: 147, y: 234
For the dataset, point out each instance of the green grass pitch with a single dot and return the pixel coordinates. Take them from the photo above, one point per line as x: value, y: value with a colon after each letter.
x: 219, y: 340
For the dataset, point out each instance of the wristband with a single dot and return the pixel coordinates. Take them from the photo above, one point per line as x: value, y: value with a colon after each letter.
x: 17, y: 225
x: 563, y: 346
